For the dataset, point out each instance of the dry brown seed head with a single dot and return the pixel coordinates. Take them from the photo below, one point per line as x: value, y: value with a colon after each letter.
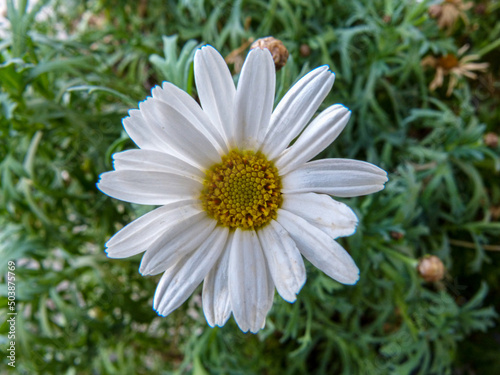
x: 276, y: 47
x: 491, y: 140
x: 431, y: 268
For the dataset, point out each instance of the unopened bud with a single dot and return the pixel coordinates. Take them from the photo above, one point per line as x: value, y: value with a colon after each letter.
x: 305, y: 50
x: 491, y: 140
x: 495, y: 212
x: 396, y: 235
x: 431, y: 268
x: 276, y: 47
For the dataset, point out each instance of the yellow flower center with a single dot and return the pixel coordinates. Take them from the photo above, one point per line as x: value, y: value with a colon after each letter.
x: 243, y: 191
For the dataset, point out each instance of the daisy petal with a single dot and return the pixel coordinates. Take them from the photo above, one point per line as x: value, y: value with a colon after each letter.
x: 215, y: 87
x: 295, y: 110
x: 284, y: 260
x: 270, y: 295
x: 183, y: 103
x: 215, y: 296
x: 154, y: 161
x: 145, y: 187
x: 175, y: 242
x: 338, y: 177
x: 183, y: 136
x: 248, y: 281
x: 254, y: 99
x: 316, y: 137
x: 137, y: 236
x: 334, y: 218
x: 144, y: 134
x: 180, y: 281
x: 320, y: 249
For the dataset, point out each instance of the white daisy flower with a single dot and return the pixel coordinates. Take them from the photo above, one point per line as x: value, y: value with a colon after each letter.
x: 239, y: 206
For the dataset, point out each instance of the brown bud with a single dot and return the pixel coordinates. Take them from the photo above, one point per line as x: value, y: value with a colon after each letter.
x: 491, y: 140
x: 396, y: 235
x: 431, y: 268
x: 495, y: 212
x: 276, y: 47
x: 305, y: 50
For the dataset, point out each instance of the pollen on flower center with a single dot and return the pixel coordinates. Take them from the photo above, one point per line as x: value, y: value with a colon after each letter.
x: 243, y: 191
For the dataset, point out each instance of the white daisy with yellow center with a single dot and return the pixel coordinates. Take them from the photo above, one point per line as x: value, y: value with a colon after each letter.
x: 239, y: 207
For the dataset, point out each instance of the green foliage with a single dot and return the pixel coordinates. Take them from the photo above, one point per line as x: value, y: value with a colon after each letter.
x: 173, y: 68
x: 70, y: 70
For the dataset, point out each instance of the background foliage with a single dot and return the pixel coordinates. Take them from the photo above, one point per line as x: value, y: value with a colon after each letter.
x: 70, y: 70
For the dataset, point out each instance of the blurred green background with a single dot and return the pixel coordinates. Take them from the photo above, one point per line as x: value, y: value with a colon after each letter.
x: 69, y: 72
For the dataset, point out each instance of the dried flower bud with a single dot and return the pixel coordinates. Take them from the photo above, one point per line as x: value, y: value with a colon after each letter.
x: 396, y: 235
x: 491, y: 140
x: 431, y: 268
x: 276, y: 47
x: 495, y: 212
x: 305, y: 50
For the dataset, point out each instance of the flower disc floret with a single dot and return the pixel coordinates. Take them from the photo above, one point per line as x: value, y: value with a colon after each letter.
x: 243, y: 191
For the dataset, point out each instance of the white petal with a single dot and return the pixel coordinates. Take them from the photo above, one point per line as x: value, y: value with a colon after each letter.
x: 254, y: 99
x: 284, y: 260
x: 320, y: 249
x: 145, y: 187
x: 154, y: 161
x: 191, y: 111
x: 334, y: 218
x: 215, y: 87
x: 316, y: 137
x: 137, y: 236
x: 177, y: 241
x: 338, y: 177
x: 296, y: 109
x: 143, y: 133
x: 215, y: 296
x: 183, y: 136
x: 270, y: 295
x: 248, y: 281
x: 180, y: 281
